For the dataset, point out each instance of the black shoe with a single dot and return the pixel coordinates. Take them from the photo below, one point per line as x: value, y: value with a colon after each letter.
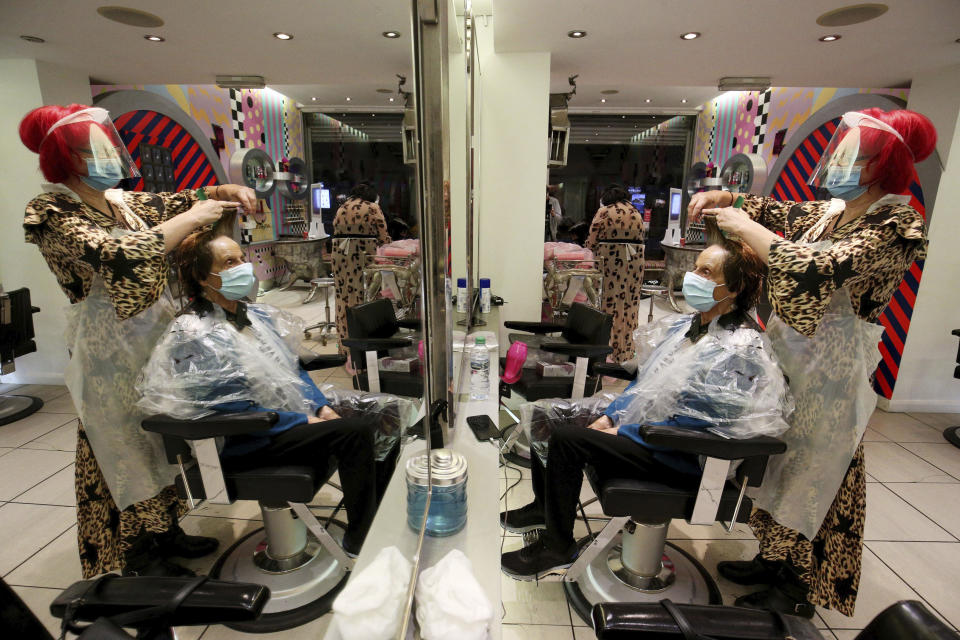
x: 537, y: 560
x: 156, y: 567
x: 352, y: 549
x: 749, y: 572
x: 523, y: 519
x: 176, y: 542
x: 777, y: 598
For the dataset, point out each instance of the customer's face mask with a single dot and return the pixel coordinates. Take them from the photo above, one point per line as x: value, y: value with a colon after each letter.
x: 237, y: 281
x: 698, y: 292
x: 845, y: 183
x: 103, y: 174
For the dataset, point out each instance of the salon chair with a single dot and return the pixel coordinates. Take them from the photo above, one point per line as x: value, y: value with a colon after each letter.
x: 630, y: 560
x: 584, y: 339
x: 151, y: 607
x: 374, y: 330
x: 16, y: 340
x: 905, y: 620
x: 303, y: 572
x: 952, y: 434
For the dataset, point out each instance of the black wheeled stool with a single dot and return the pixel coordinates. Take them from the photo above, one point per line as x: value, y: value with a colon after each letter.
x: 16, y: 339
x: 952, y: 434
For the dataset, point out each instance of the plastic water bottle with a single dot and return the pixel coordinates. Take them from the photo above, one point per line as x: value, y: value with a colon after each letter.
x: 479, y: 370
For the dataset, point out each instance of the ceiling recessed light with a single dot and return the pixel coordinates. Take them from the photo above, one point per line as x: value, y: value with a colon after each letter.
x: 610, y: 92
x: 153, y: 38
x: 280, y: 35
x: 314, y: 98
x: 33, y: 39
x: 348, y: 98
x: 683, y: 100
x: 384, y: 90
x: 391, y: 99
x: 130, y: 17
x: 647, y: 100
x: 391, y: 34
x: 577, y: 33
x: 690, y: 35
x: 830, y: 38
x: 603, y: 99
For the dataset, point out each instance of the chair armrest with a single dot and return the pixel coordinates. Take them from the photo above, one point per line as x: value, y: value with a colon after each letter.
x: 409, y: 323
x: 539, y: 328
x: 709, y: 444
x: 214, y: 601
x: 212, y: 426
x: 577, y: 350
x: 376, y: 344
x: 613, y: 371
x: 956, y: 332
x: 326, y: 361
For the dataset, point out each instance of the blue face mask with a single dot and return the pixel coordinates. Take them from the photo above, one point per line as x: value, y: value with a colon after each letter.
x: 698, y: 292
x: 844, y: 187
x: 102, y: 175
x: 237, y: 281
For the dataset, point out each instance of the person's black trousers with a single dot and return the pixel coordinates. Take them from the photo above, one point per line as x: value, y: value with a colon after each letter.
x: 557, y: 488
x: 348, y: 442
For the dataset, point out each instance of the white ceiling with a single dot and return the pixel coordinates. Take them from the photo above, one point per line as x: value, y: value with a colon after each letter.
x: 632, y: 46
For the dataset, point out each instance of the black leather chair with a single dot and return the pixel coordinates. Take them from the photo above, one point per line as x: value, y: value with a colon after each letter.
x: 304, y: 572
x: 905, y: 620
x: 630, y: 560
x: 952, y: 434
x: 374, y: 329
x: 16, y: 340
x: 584, y: 339
x: 153, y: 606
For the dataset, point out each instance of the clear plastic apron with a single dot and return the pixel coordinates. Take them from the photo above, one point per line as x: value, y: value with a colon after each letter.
x: 106, y: 357
x: 829, y: 376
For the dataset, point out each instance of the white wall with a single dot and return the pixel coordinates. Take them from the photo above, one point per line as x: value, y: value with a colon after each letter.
x: 28, y: 84
x: 925, y: 381
x: 512, y: 173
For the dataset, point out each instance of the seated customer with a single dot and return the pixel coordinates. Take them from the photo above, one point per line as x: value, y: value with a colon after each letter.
x: 222, y: 354
x: 710, y: 370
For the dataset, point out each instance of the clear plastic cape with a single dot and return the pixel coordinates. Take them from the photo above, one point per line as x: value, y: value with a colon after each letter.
x: 393, y: 414
x: 203, y: 360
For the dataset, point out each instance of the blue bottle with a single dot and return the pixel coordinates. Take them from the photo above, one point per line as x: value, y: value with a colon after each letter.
x: 448, y: 502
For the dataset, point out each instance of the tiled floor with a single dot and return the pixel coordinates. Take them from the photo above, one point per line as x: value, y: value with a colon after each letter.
x: 912, y: 533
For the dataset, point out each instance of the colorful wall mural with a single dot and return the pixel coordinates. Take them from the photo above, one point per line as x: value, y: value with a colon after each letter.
x: 748, y: 121
x: 249, y: 119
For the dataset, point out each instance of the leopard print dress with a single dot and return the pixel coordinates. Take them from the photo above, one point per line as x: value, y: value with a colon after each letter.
x: 868, y: 258
x: 356, y: 217
x: 81, y: 251
x: 622, y: 271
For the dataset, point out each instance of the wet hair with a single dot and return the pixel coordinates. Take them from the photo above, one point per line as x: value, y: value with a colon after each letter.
x: 56, y: 151
x: 364, y: 191
x: 892, y: 161
x: 613, y: 193
x: 194, y: 260
x: 743, y: 271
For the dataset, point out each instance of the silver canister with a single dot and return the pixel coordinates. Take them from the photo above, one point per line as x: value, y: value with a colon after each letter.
x: 448, y: 501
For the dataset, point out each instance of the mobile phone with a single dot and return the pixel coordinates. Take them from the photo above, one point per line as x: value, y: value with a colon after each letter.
x: 483, y: 427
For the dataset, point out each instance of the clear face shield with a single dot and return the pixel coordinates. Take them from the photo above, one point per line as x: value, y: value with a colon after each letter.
x: 90, y: 134
x: 845, y: 163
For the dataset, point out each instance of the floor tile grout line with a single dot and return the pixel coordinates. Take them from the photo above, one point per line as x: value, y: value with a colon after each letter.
x: 927, y: 461
x: 930, y: 518
x: 904, y: 580
x: 59, y: 426
x: 33, y: 555
x: 14, y: 499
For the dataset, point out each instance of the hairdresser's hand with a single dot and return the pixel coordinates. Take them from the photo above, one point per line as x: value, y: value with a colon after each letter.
x: 707, y: 200
x: 237, y: 193
x: 729, y: 219
x: 603, y: 423
x: 207, y: 212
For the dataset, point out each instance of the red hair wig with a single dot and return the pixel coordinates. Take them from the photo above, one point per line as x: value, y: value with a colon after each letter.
x: 891, y: 164
x: 58, y: 158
